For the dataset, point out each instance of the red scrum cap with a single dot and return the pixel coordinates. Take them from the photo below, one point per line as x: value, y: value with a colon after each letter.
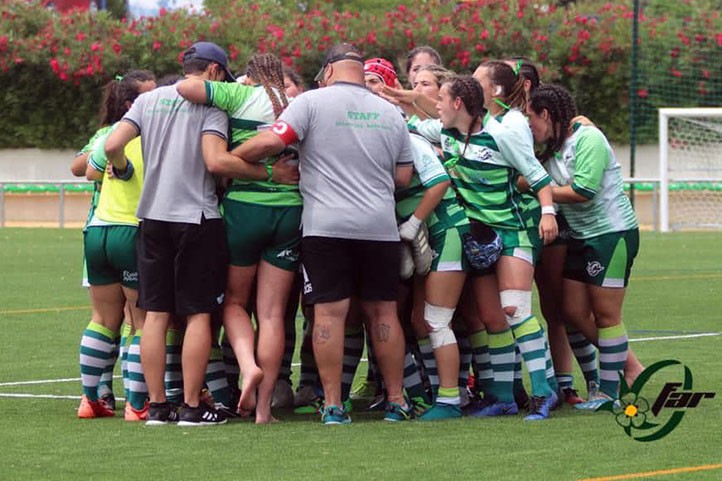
x: 383, y: 69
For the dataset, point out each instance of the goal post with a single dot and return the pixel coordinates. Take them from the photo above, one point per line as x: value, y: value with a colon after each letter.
x: 690, y: 168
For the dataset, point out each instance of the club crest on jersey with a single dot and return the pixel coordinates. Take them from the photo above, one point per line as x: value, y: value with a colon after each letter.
x: 594, y: 268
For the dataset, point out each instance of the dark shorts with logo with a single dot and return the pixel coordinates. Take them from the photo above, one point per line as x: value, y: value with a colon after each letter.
x: 182, y: 267
x: 336, y: 269
x: 110, y: 255
x: 604, y: 261
x: 268, y: 232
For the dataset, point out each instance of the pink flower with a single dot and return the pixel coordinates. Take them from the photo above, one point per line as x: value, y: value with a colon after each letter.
x: 642, y: 93
x: 80, y: 36
x: 95, y: 47
x: 156, y: 45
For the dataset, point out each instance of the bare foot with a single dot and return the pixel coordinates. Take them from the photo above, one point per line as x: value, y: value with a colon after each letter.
x: 269, y: 420
x: 247, y: 403
x: 632, y: 368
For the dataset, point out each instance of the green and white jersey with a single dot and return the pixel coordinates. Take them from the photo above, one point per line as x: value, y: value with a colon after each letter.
x: 250, y: 108
x: 484, y: 172
x: 587, y: 163
x: 98, y: 137
x: 429, y: 171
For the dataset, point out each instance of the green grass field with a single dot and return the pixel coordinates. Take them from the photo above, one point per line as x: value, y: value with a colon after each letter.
x: 676, y: 290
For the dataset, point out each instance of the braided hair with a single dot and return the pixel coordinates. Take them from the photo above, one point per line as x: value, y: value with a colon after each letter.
x: 469, y: 90
x: 119, y: 92
x: 267, y: 70
x: 512, y: 85
x: 556, y: 100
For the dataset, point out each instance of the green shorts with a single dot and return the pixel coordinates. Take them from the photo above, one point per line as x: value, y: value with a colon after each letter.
x: 110, y: 255
x: 255, y: 232
x: 448, y: 251
x: 604, y: 261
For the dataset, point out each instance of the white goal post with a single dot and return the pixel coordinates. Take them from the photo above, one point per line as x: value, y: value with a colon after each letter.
x: 690, y: 168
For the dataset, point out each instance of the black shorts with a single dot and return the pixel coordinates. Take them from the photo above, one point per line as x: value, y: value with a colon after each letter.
x: 335, y: 269
x: 182, y: 267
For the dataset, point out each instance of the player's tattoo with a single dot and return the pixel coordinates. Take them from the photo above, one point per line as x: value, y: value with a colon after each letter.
x: 321, y: 334
x: 383, y: 332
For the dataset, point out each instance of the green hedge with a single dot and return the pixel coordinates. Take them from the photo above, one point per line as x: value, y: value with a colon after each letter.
x: 52, y: 67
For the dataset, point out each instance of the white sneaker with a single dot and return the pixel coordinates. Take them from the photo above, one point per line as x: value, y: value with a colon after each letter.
x: 282, y: 395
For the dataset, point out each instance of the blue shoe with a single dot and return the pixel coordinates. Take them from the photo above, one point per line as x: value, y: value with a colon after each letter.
x: 594, y: 402
x: 441, y: 411
x: 540, y: 406
x: 335, y: 415
x: 492, y: 408
x: 395, y: 412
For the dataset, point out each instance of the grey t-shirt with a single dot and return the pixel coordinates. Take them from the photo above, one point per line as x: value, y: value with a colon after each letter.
x: 350, y: 144
x: 177, y: 186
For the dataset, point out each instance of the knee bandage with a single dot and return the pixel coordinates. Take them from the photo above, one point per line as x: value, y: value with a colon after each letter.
x: 520, y: 301
x: 439, y: 319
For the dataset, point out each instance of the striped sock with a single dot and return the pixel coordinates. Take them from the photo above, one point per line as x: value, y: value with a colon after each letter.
x: 230, y: 363
x: 518, y: 372
x: 412, y: 378
x: 481, y: 359
x: 501, y: 352
x: 448, y: 396
x: 216, y: 379
x: 96, y: 347
x: 429, y: 360
x: 530, y: 339
x: 613, y: 346
x: 309, y: 372
x: 551, y: 375
x: 125, y: 336
x: 353, y: 349
x: 137, y: 390
x: 586, y: 354
x: 173, y: 373
x: 465, y: 356
x: 289, y: 346
x: 105, y: 386
x: 565, y: 380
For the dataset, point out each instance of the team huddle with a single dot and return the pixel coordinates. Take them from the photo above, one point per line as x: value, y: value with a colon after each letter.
x: 408, y: 222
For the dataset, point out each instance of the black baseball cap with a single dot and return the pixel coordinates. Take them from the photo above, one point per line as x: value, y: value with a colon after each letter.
x: 209, y: 51
x: 340, y: 51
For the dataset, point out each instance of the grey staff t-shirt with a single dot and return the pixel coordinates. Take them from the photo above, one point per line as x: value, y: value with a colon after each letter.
x: 177, y: 186
x: 350, y: 144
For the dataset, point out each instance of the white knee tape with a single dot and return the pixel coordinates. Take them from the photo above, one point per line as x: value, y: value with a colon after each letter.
x: 520, y: 300
x: 439, y: 319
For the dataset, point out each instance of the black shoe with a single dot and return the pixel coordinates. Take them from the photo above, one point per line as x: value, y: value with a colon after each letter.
x: 161, y: 413
x: 521, y: 398
x: 109, y: 401
x: 203, y: 415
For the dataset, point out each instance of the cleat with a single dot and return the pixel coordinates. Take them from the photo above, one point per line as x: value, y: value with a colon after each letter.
x: 93, y: 409
x: 592, y: 389
x: 347, y: 406
x: 226, y: 411
x: 378, y: 403
x: 594, y: 403
x: 160, y: 414
x: 282, y: 395
x: 133, y: 415
x: 395, y: 412
x: 203, y: 415
x: 333, y: 415
x: 366, y: 390
x: 109, y: 400
x: 570, y: 396
x: 441, y: 411
x: 491, y: 408
x: 541, y: 406
x: 420, y: 406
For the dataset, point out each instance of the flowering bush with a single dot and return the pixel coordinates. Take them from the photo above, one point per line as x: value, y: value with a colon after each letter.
x: 54, y: 65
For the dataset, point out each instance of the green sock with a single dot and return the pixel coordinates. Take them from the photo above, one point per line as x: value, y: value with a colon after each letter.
x: 125, y: 336
x: 586, y: 354
x: 137, y: 390
x: 482, y: 361
x: 530, y: 339
x: 96, y: 347
x: 501, y: 351
x: 429, y: 360
x: 216, y: 379
x: 448, y: 395
x: 613, y: 347
x: 173, y: 373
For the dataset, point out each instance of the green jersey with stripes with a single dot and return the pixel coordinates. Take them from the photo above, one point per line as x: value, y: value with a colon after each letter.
x: 98, y: 136
x: 485, y: 171
x: 428, y: 172
x: 586, y: 162
x: 250, y: 108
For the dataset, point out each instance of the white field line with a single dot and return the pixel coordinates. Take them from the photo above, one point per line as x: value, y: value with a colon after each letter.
x: 295, y: 364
